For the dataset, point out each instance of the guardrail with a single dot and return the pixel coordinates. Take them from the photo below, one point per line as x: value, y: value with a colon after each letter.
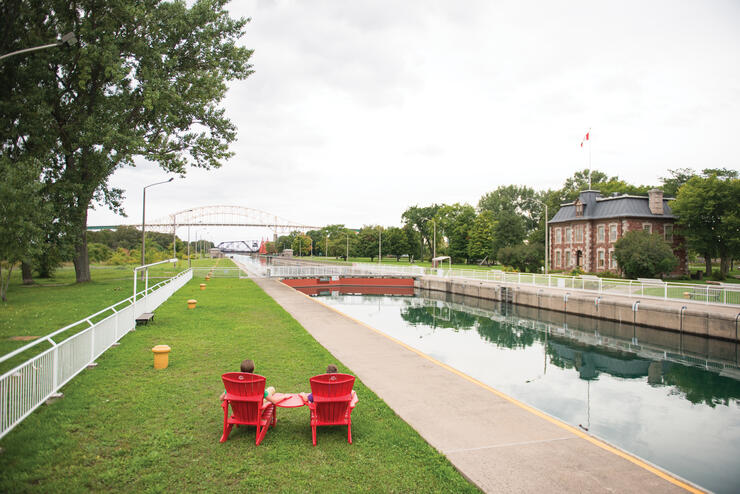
x: 30, y: 384
x: 708, y: 294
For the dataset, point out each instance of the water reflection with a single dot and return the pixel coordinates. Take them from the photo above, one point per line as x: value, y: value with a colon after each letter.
x: 672, y: 399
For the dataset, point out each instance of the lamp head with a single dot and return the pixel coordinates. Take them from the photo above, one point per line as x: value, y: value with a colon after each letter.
x: 69, y: 39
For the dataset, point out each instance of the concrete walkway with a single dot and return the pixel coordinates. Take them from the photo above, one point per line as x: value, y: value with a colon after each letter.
x: 499, y: 444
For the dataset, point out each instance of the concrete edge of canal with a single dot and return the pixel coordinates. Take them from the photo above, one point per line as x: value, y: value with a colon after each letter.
x: 713, y: 321
x: 496, y: 442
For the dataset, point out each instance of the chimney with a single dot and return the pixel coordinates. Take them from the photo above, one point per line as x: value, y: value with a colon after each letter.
x: 655, y: 199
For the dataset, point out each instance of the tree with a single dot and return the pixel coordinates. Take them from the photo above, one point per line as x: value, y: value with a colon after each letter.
x: 368, y: 241
x: 677, y: 178
x: 421, y: 220
x: 601, y: 182
x: 455, y: 223
x: 21, y: 213
x: 517, y: 199
x: 708, y: 210
x: 480, y: 245
x: 394, y: 242
x: 144, y: 80
x: 644, y: 255
x: 508, y: 231
x: 301, y: 245
x: 522, y: 257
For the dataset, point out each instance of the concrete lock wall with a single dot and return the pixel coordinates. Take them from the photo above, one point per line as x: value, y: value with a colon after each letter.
x: 697, y: 319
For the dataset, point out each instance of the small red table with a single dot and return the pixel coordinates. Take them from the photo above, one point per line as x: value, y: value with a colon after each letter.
x: 292, y: 400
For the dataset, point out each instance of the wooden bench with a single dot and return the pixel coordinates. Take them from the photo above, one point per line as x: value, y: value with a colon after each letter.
x: 144, y: 318
x: 651, y: 281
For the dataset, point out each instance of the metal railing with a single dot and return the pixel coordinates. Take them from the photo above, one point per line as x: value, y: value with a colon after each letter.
x: 726, y: 294
x: 31, y: 383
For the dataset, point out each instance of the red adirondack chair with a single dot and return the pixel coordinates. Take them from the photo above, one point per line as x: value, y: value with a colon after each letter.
x: 333, y: 402
x: 245, y: 393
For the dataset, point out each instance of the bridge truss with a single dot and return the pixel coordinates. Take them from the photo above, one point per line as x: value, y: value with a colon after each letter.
x: 222, y: 216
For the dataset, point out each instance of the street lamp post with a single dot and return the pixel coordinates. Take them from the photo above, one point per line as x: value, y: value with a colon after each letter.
x: 69, y: 39
x: 143, y: 220
x: 380, y: 244
x: 547, y: 236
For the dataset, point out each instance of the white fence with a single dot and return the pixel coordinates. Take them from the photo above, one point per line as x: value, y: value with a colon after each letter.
x: 726, y: 294
x: 28, y: 385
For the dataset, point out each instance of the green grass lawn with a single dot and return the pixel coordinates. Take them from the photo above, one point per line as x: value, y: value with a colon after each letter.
x: 124, y: 426
x: 52, y: 303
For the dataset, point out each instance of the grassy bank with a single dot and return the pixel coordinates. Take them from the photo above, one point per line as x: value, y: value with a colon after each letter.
x: 33, y: 311
x: 125, y: 426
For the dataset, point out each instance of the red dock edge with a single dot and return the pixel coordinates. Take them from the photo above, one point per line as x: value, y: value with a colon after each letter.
x: 379, y: 286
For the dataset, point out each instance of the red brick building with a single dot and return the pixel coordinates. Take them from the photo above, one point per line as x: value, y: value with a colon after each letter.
x: 583, y: 232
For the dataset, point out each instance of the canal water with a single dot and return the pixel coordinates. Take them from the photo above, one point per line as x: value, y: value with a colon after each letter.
x: 671, y: 399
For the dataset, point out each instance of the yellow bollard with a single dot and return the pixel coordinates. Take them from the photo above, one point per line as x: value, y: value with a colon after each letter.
x: 161, y: 356
x: 191, y: 303
x: 202, y: 286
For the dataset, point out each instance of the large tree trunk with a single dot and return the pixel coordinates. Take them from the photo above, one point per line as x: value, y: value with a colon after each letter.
x: 724, y: 265
x: 26, y: 273
x: 81, y: 259
x: 708, y: 265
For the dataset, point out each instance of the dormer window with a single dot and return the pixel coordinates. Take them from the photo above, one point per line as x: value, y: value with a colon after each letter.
x: 579, y: 208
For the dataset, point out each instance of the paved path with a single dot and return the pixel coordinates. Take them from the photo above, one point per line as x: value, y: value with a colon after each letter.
x: 499, y: 444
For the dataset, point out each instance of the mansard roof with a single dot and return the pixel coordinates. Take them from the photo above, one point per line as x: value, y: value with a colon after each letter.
x: 597, y: 207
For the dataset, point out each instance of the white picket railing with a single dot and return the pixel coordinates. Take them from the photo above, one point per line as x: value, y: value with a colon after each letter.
x: 726, y: 294
x: 30, y: 384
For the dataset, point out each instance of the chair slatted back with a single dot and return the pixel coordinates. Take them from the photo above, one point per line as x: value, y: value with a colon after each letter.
x: 332, y: 394
x: 245, y: 393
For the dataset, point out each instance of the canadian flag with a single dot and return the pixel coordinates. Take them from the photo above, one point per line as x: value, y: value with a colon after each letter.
x: 585, y: 138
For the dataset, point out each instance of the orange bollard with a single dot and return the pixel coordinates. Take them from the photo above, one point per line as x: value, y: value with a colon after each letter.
x: 202, y: 286
x: 191, y: 303
x: 161, y: 356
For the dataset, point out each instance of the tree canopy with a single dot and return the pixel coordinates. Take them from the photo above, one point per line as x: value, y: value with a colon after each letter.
x: 708, y: 210
x: 144, y: 80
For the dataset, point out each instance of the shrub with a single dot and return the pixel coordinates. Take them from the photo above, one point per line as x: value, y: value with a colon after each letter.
x: 644, y: 255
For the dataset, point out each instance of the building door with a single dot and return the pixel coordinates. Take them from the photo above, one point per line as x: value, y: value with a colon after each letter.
x: 579, y: 254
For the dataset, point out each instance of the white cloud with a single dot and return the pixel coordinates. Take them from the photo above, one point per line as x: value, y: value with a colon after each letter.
x: 358, y: 110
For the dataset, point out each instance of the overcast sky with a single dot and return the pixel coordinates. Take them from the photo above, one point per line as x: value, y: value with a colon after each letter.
x: 358, y: 110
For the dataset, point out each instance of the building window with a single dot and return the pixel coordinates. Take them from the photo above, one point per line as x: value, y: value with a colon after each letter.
x: 558, y: 235
x: 612, y: 261
x: 579, y: 233
x: 568, y: 235
x: 579, y: 208
x: 567, y: 258
x: 668, y: 233
x: 647, y: 227
x: 557, y: 258
x: 600, y: 257
x: 600, y: 234
x: 613, y: 232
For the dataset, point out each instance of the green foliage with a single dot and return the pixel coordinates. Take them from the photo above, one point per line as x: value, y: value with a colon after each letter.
x: 21, y: 213
x: 515, y: 200
x: 708, y: 210
x: 481, y: 245
x: 522, y: 257
x: 367, y: 241
x: 455, y: 223
x: 99, y: 252
x: 420, y: 219
x: 144, y: 80
x: 644, y: 255
x: 508, y: 230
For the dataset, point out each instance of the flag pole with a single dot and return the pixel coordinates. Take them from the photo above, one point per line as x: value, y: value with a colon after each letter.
x: 589, y: 158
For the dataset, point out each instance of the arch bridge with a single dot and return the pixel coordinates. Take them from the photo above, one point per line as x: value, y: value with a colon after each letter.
x: 239, y: 246
x: 221, y: 216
